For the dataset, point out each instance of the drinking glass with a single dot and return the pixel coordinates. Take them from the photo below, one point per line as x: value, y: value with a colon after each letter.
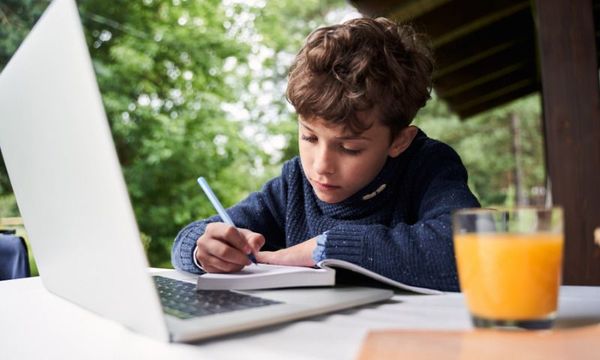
x: 509, y: 265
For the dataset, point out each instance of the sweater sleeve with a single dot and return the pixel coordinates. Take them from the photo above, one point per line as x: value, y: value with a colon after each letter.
x: 421, y: 253
x: 261, y: 212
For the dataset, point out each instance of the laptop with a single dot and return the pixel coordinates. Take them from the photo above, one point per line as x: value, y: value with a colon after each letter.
x: 68, y: 183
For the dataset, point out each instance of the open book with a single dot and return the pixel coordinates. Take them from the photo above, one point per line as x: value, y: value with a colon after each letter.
x: 265, y: 276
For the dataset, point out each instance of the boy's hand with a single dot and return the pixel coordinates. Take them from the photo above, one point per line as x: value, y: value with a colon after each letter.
x: 297, y: 255
x: 225, y: 248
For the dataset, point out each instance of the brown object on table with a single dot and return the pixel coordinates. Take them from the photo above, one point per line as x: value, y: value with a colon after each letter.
x: 581, y: 344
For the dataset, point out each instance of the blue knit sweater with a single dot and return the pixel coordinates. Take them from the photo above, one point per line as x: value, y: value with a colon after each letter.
x: 403, y: 233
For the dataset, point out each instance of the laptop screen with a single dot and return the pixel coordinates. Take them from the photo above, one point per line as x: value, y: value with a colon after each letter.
x: 67, y: 180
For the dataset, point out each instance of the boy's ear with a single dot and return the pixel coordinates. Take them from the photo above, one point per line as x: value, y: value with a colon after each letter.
x: 402, y: 141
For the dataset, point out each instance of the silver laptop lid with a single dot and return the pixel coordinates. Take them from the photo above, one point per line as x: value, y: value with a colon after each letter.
x: 62, y: 164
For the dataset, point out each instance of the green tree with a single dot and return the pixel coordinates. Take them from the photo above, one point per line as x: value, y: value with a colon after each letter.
x: 16, y: 19
x: 160, y: 69
x: 484, y: 144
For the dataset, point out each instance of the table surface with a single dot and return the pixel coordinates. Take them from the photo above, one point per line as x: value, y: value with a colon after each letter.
x: 36, y: 324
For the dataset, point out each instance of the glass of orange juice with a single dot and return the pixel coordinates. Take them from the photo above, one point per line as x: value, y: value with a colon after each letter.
x: 509, y: 265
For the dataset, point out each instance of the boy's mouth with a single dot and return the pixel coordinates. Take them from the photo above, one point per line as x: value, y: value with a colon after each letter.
x: 324, y: 186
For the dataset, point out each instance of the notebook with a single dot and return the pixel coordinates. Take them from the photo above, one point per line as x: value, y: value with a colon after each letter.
x: 68, y: 183
x: 266, y: 276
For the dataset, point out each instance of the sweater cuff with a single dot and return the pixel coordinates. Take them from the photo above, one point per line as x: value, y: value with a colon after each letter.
x: 187, y: 244
x: 319, y: 251
x: 346, y: 243
x: 196, y: 260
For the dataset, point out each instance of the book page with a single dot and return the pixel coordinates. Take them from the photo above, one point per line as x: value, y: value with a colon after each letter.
x: 336, y: 263
x: 265, y: 276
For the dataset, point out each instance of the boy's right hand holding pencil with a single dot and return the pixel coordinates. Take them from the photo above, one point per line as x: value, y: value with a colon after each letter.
x: 225, y: 248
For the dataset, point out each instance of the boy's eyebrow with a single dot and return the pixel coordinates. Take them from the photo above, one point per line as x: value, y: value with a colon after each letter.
x: 345, y: 137
x: 352, y: 137
x: 305, y: 126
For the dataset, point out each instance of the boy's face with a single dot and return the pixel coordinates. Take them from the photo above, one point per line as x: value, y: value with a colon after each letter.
x: 339, y: 163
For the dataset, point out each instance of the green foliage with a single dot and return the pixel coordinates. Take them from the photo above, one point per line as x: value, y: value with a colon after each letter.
x: 161, y: 74
x: 285, y: 24
x: 8, y: 205
x: 16, y: 19
x: 484, y: 144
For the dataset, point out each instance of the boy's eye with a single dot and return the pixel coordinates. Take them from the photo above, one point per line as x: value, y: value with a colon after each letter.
x: 351, y: 151
x: 310, y: 139
x: 341, y: 147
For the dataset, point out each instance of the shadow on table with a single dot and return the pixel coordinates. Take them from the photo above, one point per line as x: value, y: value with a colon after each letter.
x: 281, y: 326
x: 567, y: 322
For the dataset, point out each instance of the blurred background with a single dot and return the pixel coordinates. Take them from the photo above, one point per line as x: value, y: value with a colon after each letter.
x: 196, y: 88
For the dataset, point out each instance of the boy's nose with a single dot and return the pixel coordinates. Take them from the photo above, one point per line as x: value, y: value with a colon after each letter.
x: 324, y: 164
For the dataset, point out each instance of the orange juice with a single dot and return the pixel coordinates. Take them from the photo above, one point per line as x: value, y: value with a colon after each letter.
x: 510, y: 276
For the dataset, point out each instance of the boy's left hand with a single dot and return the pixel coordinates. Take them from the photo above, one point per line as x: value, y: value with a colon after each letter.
x: 297, y: 255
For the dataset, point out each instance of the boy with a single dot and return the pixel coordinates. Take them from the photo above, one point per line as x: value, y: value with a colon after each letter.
x: 367, y: 187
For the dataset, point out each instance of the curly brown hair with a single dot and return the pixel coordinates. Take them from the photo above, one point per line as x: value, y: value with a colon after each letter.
x: 362, y: 65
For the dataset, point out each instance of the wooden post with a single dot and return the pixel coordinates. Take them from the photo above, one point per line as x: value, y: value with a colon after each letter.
x: 571, y: 98
x: 521, y: 197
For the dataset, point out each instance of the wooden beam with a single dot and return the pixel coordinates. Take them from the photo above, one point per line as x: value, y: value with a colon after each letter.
x: 458, y: 18
x: 468, y: 59
x: 11, y: 221
x: 373, y: 8
x: 400, y: 10
x: 487, y: 68
x: 409, y: 10
x: 502, y: 82
x: 485, y: 42
x: 486, y: 98
x: 498, y: 56
x: 478, y: 23
x: 467, y: 112
x: 571, y: 99
x: 443, y: 20
x: 596, y: 5
x: 478, y: 79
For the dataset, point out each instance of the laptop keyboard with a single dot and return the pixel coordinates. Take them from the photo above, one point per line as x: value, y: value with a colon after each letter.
x: 182, y: 300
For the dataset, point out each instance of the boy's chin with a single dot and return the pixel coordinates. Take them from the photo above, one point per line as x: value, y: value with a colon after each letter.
x: 329, y: 198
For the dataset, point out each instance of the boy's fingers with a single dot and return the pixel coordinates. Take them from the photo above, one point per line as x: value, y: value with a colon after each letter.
x: 265, y: 257
x: 214, y: 264
x: 297, y: 255
x: 227, y: 254
x: 216, y: 255
x: 254, y: 240
x: 228, y: 234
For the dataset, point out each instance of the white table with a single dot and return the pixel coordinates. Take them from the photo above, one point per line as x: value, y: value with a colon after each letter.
x: 35, y: 324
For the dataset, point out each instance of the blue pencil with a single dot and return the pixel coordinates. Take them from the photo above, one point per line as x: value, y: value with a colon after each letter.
x: 219, y: 207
